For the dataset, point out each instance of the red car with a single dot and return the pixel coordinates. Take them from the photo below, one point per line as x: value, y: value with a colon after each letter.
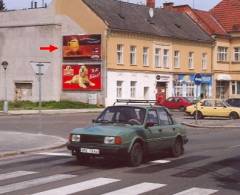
x: 176, y: 103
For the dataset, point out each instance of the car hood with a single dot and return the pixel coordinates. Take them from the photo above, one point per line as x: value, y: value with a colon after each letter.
x: 105, y: 129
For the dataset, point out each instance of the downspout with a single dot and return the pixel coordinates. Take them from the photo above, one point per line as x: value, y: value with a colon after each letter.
x: 212, y: 69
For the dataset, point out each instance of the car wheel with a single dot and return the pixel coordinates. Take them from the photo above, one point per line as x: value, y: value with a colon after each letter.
x: 197, y: 115
x: 233, y: 116
x: 177, y: 148
x: 136, y: 155
x: 182, y: 108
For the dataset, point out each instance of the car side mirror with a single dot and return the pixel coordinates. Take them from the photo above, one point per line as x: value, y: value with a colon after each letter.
x: 149, y: 124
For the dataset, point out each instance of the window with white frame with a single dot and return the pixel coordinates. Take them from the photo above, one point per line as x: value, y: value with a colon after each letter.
x: 190, y: 60
x: 157, y: 57
x: 176, y: 59
x: 236, y: 87
x: 237, y: 54
x: 119, y: 54
x: 189, y: 89
x: 133, y: 50
x: 222, y: 54
x: 178, y: 88
x: 145, y: 56
x: 165, y: 58
x: 133, y: 89
x: 204, y: 61
x: 119, y: 89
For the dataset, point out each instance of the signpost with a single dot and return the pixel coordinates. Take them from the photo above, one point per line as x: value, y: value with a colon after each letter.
x: 198, y: 82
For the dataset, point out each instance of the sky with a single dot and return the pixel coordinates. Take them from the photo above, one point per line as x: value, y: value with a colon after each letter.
x: 198, y: 4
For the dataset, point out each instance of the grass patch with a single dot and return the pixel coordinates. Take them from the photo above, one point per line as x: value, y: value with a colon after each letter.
x: 50, y: 105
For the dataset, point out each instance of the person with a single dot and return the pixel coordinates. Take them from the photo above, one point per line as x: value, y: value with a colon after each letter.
x: 160, y: 97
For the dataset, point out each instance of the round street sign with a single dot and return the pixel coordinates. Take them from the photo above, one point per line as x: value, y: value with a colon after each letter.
x: 197, y: 79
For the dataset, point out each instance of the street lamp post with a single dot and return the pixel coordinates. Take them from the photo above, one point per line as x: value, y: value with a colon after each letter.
x: 5, y: 104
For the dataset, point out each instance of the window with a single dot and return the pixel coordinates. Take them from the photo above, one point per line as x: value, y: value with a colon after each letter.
x: 119, y: 89
x: 119, y: 54
x: 189, y: 89
x: 23, y: 91
x: 176, y: 59
x: 208, y: 103
x: 178, y: 88
x: 152, y: 117
x: 133, y: 55
x: 157, y: 57
x: 165, y: 58
x: 204, y: 61
x: 133, y: 89
x: 222, y: 54
x: 145, y: 56
x: 164, y: 117
x: 236, y: 87
x: 146, y: 93
x: 190, y: 60
x: 237, y: 54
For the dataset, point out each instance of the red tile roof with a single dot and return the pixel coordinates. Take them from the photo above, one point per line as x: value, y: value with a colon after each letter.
x: 227, y: 12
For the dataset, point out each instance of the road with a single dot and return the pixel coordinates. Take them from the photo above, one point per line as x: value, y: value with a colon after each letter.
x: 210, y: 164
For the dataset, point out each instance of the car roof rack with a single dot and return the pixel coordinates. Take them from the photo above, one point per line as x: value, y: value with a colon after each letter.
x: 128, y: 101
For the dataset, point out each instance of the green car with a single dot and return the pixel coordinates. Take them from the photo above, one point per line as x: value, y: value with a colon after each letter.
x: 129, y: 132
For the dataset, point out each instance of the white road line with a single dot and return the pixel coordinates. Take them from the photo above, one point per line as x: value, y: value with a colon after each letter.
x: 197, y: 191
x: 55, y: 154
x: 78, y: 187
x: 15, y: 174
x: 161, y: 161
x: 33, y: 183
x: 137, y: 189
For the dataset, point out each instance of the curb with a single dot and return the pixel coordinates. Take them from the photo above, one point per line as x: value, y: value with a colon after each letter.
x: 203, y: 126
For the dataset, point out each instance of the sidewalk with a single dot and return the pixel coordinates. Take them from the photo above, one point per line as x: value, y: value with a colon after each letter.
x: 14, y: 143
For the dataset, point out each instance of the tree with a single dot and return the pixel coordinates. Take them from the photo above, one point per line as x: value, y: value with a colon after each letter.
x: 2, y: 5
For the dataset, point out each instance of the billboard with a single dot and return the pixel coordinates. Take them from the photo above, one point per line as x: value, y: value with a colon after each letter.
x: 82, y: 47
x: 84, y: 77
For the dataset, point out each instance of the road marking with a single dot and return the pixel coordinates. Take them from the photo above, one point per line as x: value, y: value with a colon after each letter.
x: 137, y: 189
x: 15, y: 174
x: 197, y: 191
x: 78, y: 187
x: 33, y: 183
x: 161, y: 161
x: 55, y: 154
x: 237, y: 146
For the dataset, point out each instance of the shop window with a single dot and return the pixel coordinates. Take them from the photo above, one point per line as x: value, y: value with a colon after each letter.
x: 157, y: 57
x: 222, y: 54
x: 178, y: 88
x: 189, y: 89
x: 233, y: 87
x: 119, y: 54
x: 204, y: 61
x: 165, y: 58
x: 133, y: 89
x: 176, y: 59
x: 119, y: 89
x: 238, y: 87
x: 190, y: 60
x: 133, y: 50
x: 146, y: 93
x: 145, y: 56
x: 23, y: 91
x: 237, y: 54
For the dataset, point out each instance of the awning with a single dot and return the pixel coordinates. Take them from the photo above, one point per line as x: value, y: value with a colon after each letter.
x: 224, y: 77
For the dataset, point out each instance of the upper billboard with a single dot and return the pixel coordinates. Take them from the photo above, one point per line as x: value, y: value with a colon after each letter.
x: 82, y: 47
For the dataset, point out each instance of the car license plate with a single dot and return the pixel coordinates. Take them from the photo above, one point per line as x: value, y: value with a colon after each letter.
x: 90, y: 151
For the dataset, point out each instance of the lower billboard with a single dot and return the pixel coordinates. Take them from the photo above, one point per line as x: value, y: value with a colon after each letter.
x: 84, y: 77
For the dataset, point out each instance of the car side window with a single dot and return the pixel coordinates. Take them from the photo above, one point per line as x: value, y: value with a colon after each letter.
x: 152, y: 117
x: 208, y: 103
x: 219, y: 104
x: 170, y: 99
x: 164, y: 117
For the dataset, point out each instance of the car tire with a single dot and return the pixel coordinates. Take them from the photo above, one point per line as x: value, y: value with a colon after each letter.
x: 177, y: 149
x: 198, y: 115
x: 233, y: 116
x: 182, y: 108
x: 136, y: 155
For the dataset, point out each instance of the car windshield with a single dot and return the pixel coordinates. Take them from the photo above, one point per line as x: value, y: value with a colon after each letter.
x: 123, y: 114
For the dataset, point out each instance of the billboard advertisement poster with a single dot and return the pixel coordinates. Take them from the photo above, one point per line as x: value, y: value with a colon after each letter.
x: 84, y: 77
x: 82, y: 47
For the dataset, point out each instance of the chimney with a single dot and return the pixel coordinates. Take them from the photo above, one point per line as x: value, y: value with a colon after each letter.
x: 168, y: 5
x: 151, y: 3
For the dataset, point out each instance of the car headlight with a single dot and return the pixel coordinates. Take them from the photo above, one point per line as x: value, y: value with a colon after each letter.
x: 109, y: 140
x: 75, y: 138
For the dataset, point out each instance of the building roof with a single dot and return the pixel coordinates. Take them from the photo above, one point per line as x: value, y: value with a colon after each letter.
x: 129, y: 17
x: 227, y: 12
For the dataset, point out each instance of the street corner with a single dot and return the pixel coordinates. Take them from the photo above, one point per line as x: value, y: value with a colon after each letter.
x: 15, y: 143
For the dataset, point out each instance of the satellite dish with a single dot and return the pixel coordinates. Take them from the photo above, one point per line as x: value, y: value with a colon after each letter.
x: 151, y: 12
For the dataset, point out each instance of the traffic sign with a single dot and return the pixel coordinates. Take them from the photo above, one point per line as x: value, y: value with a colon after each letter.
x: 198, y: 79
x: 40, y: 67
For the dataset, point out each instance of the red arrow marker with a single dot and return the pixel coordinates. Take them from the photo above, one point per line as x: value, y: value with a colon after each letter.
x: 50, y: 48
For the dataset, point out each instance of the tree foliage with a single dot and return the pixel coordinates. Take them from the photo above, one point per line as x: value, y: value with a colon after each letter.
x: 2, y: 5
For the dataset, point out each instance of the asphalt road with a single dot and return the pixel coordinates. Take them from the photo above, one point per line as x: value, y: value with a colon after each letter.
x: 210, y: 164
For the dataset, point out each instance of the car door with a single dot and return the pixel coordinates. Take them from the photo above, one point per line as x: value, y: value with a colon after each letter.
x: 169, y: 103
x: 153, y: 131
x: 207, y: 107
x: 221, y: 109
x: 167, y: 128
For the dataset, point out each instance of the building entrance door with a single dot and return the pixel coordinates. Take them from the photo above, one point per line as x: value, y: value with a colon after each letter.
x: 222, y: 89
x: 161, y: 88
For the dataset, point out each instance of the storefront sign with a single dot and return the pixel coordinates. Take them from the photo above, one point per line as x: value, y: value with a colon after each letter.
x: 81, y: 77
x: 82, y: 47
x: 205, y: 79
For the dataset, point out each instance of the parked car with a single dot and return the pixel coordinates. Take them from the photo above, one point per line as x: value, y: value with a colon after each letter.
x: 235, y: 102
x: 129, y: 132
x: 176, y: 103
x: 213, y: 108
